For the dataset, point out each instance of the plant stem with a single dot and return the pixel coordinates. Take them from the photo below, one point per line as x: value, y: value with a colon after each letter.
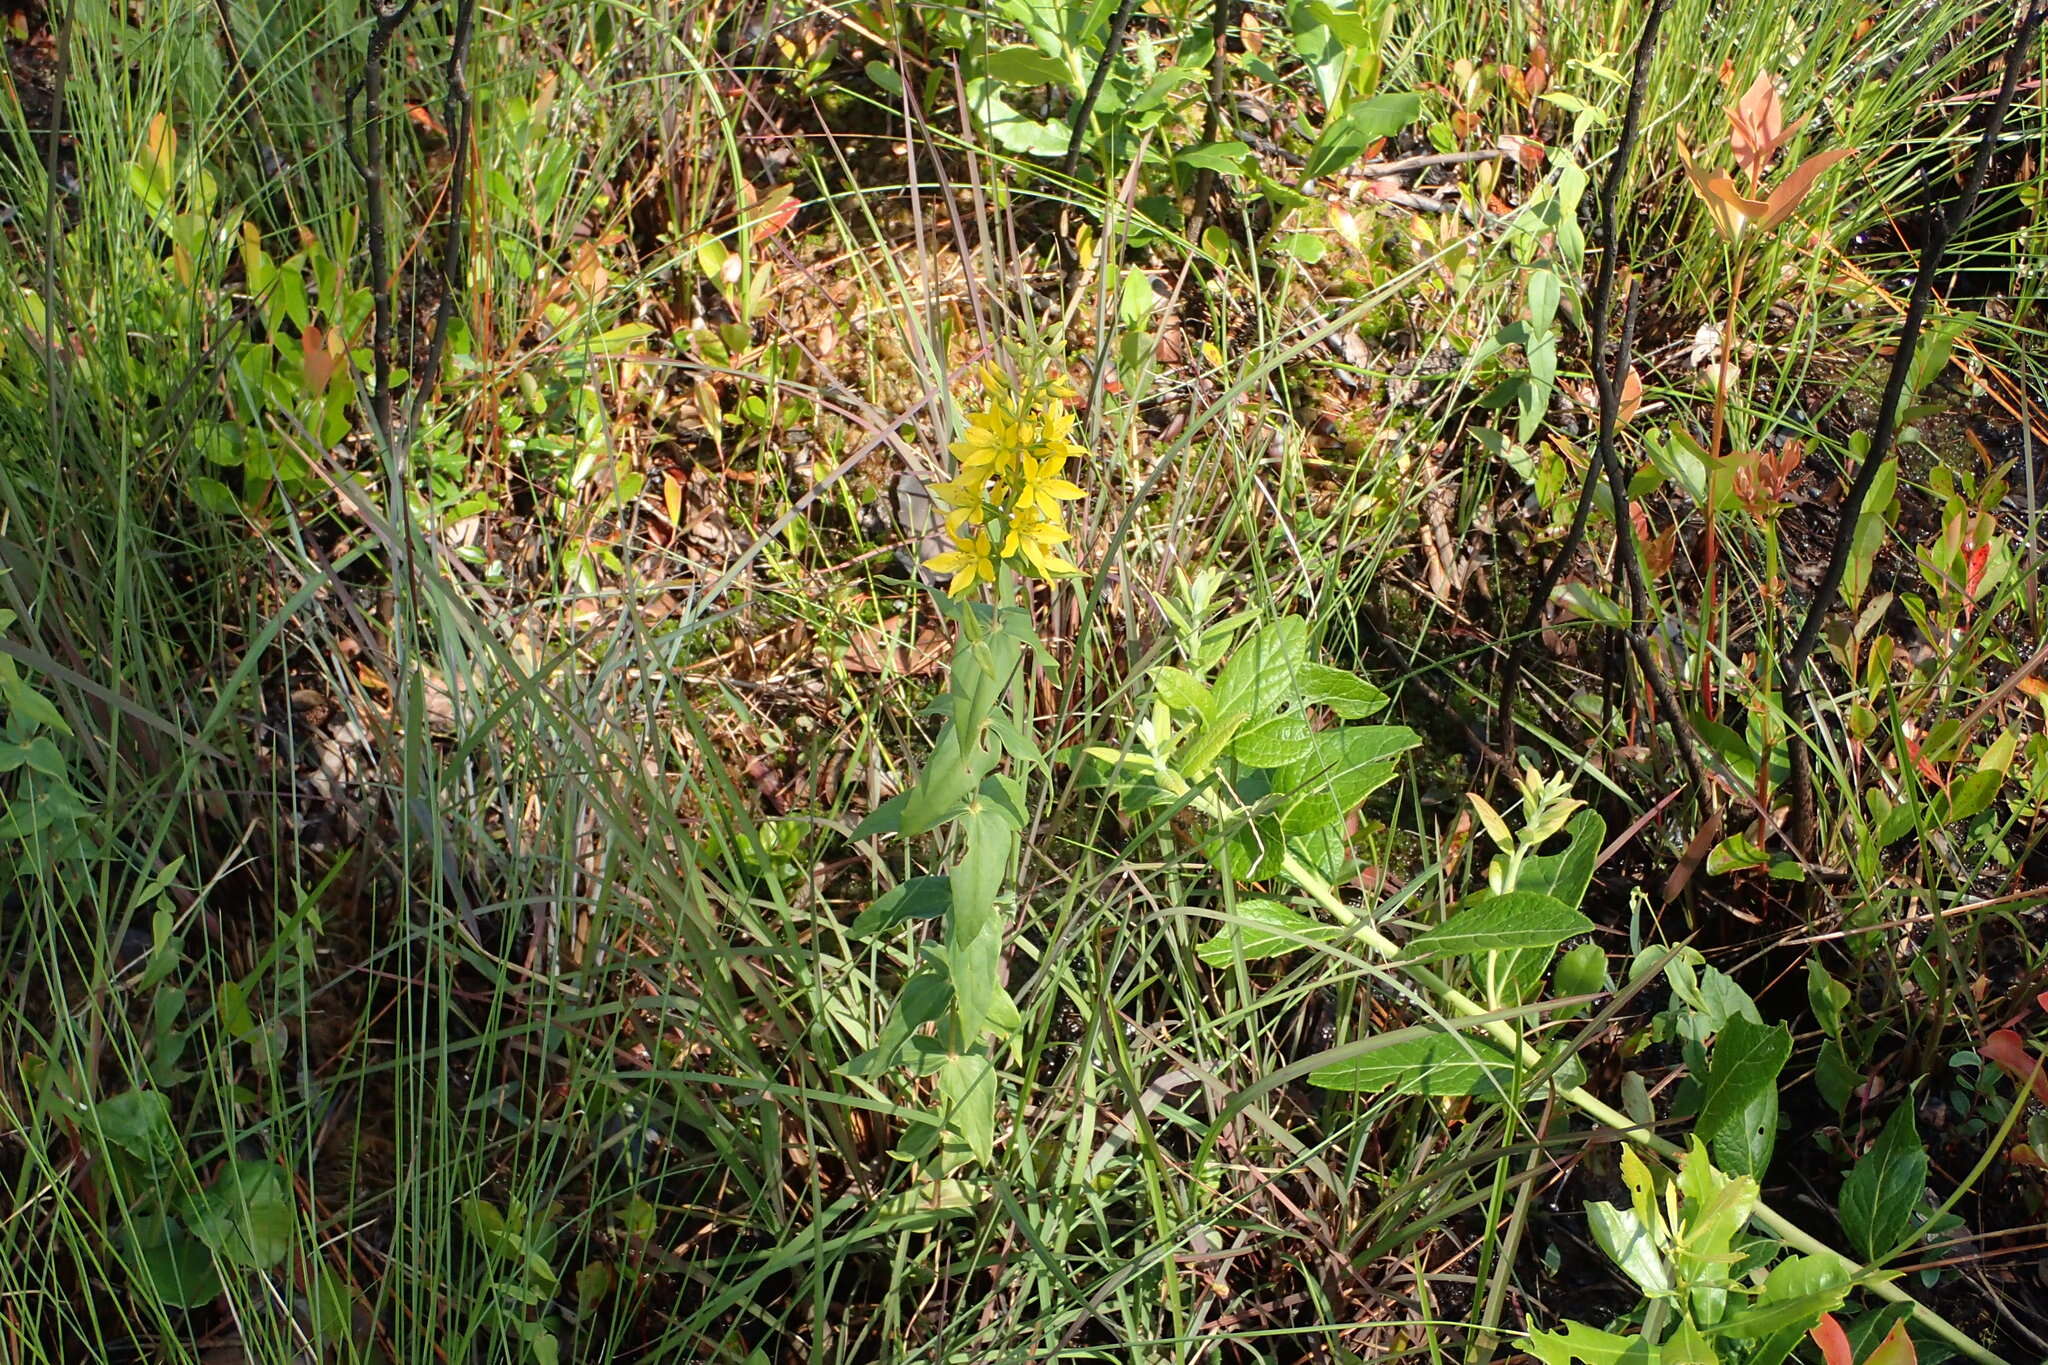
x: 1711, y: 554
x: 1597, y: 1109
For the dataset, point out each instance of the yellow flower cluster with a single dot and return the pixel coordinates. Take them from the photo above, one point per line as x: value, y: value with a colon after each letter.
x: 1003, y: 506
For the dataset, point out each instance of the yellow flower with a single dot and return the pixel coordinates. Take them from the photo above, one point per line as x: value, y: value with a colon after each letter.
x: 1041, y: 489
x: 991, y: 445
x: 1034, y: 536
x: 973, y: 562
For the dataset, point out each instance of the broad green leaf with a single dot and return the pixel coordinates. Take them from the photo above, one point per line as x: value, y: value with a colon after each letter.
x: 949, y: 775
x: 1225, y: 158
x: 139, y: 1123
x: 1798, y: 1290
x: 1883, y: 1190
x: 1357, y: 128
x: 1437, y: 1064
x: 1589, y: 1346
x: 247, y: 1215
x: 171, y: 1266
x: 967, y: 1087
x: 1025, y: 65
x: 925, y: 997
x: 973, y: 919
x: 913, y: 898
x: 1738, y: 1104
x: 1338, y: 771
x: 1628, y: 1243
x: 1273, y: 742
x: 885, y: 77
x: 1565, y: 876
x: 1181, y: 689
x: 1262, y: 678
x: 1972, y: 796
x: 1518, y: 919
x: 1270, y: 929
x: 883, y: 819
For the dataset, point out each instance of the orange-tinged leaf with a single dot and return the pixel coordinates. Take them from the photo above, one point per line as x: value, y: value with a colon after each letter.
x: 1833, y: 1341
x: 1795, y: 187
x: 1756, y: 124
x: 1895, y: 1349
x: 2017, y: 1060
x: 1631, y: 395
x: 160, y: 146
x: 1730, y: 211
x: 319, y: 358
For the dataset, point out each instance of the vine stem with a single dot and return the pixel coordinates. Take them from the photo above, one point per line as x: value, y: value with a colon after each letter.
x: 1597, y: 1109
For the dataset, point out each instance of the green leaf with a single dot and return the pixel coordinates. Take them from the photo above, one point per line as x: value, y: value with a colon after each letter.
x: 1273, y: 742
x: 1437, y: 1064
x: 1798, y: 1290
x: 1180, y: 689
x: 1518, y: 919
x: 1628, y: 1243
x: 1270, y: 929
x: 1826, y: 996
x: 1565, y: 876
x: 1972, y: 796
x: 1349, y: 696
x: 967, y: 1087
x: 886, y: 818
x: 914, y: 898
x: 1883, y: 1190
x: 1590, y: 1345
x: 139, y: 1123
x: 973, y: 918
x: 1741, y: 1085
x: 1262, y: 678
x: 247, y: 1216
x: 1358, y: 127
x: 925, y: 998
x: 885, y: 77
x: 1338, y: 771
x: 1026, y: 65
x: 1225, y: 158
x: 170, y: 1265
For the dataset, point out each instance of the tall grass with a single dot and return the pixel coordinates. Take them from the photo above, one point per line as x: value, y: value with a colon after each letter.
x: 560, y: 1049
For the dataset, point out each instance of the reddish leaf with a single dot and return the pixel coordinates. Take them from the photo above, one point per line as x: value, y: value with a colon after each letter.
x: 1795, y: 187
x: 319, y: 360
x: 1833, y: 1341
x: 1756, y: 125
x: 2017, y: 1060
x: 1974, y: 559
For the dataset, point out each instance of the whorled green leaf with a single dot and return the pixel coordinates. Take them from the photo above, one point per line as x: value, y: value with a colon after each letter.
x: 1337, y: 771
x: 1362, y: 123
x: 169, y: 1264
x: 1514, y: 920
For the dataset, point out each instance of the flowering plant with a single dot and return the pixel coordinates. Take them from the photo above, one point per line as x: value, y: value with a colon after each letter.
x: 1004, y: 502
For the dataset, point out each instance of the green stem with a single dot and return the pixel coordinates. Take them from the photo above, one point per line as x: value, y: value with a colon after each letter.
x: 1597, y: 1109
